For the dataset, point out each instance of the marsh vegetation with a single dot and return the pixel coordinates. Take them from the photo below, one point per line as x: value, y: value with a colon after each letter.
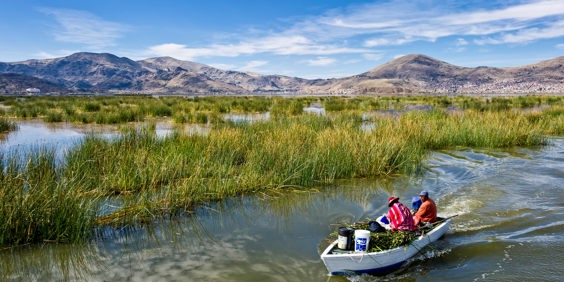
x: 140, y: 177
x: 7, y: 125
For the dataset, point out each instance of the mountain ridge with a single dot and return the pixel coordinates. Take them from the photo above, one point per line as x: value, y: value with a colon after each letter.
x: 414, y: 73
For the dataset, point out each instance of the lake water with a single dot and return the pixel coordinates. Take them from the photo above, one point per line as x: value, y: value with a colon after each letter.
x: 510, y: 226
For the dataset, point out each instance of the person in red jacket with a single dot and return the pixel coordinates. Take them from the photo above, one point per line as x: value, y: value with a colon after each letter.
x: 399, y: 216
x: 427, y: 211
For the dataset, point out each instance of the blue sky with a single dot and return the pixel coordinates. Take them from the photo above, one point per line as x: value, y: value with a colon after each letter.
x: 309, y: 39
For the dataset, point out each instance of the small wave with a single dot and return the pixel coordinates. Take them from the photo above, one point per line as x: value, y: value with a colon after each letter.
x: 500, y: 265
x: 538, y: 231
x: 433, y: 253
x: 459, y: 205
x: 469, y: 227
x: 395, y: 276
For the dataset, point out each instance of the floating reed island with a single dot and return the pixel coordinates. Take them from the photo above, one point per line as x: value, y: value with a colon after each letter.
x: 140, y: 177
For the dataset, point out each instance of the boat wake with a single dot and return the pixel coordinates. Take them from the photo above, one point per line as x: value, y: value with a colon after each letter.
x: 429, y: 254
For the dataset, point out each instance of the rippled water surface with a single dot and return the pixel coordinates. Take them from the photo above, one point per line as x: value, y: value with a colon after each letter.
x: 510, y: 227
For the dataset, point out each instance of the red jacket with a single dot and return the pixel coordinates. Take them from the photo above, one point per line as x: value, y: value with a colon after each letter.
x: 400, y: 218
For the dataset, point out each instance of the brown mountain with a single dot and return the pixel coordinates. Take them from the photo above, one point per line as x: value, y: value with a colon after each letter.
x: 17, y: 83
x: 420, y: 73
x: 93, y: 72
x: 82, y: 71
x: 233, y: 81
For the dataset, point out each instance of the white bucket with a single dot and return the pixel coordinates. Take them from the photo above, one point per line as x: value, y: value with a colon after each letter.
x: 361, y: 240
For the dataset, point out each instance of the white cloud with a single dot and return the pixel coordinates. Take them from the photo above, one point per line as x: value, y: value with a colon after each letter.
x: 84, y: 28
x: 179, y: 51
x: 252, y: 65
x: 280, y: 45
x: 526, y: 35
x: 374, y: 42
x: 560, y: 46
x: 389, y: 23
x: 57, y: 54
x: 373, y: 56
x: 377, y: 42
x: 529, y: 11
x: 223, y: 66
x: 321, y: 61
x: 365, y: 25
x: 351, y: 61
x: 430, y: 20
x: 459, y: 45
x: 461, y: 42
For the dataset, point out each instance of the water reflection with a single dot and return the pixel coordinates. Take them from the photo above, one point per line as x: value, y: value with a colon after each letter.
x: 36, y: 134
x: 246, y: 118
x: 164, y: 129
x: 50, y: 262
x: 61, y: 137
x: 315, y: 108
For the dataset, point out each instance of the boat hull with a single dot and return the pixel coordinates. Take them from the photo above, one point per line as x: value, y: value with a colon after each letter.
x: 379, y: 262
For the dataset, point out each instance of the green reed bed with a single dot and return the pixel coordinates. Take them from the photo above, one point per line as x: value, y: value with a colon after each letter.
x: 438, y: 130
x: 37, y: 205
x: 150, y: 176
x: 103, y: 110
x: 303, y: 151
x: 123, y: 109
x: 6, y: 125
x: 500, y: 103
x: 552, y: 119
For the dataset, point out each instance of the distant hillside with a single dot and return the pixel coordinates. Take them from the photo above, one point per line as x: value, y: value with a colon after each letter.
x: 218, y: 80
x: 94, y: 72
x: 11, y: 83
x: 82, y: 71
x: 423, y: 74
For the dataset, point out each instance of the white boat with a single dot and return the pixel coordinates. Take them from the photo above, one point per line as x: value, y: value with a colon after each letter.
x: 339, y: 262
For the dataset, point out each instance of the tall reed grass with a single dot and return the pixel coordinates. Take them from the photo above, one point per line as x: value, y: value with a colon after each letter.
x: 150, y: 176
x: 123, y: 109
x: 7, y: 125
x: 37, y: 205
x: 304, y: 151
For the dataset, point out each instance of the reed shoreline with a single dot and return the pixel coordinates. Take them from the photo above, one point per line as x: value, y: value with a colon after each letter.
x: 150, y: 176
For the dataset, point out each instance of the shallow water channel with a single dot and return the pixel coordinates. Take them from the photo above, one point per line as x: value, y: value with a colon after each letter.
x: 510, y: 226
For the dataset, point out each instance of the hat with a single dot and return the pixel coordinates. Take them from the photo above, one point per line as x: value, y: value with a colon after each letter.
x: 415, y: 203
x: 424, y: 193
x: 392, y: 200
